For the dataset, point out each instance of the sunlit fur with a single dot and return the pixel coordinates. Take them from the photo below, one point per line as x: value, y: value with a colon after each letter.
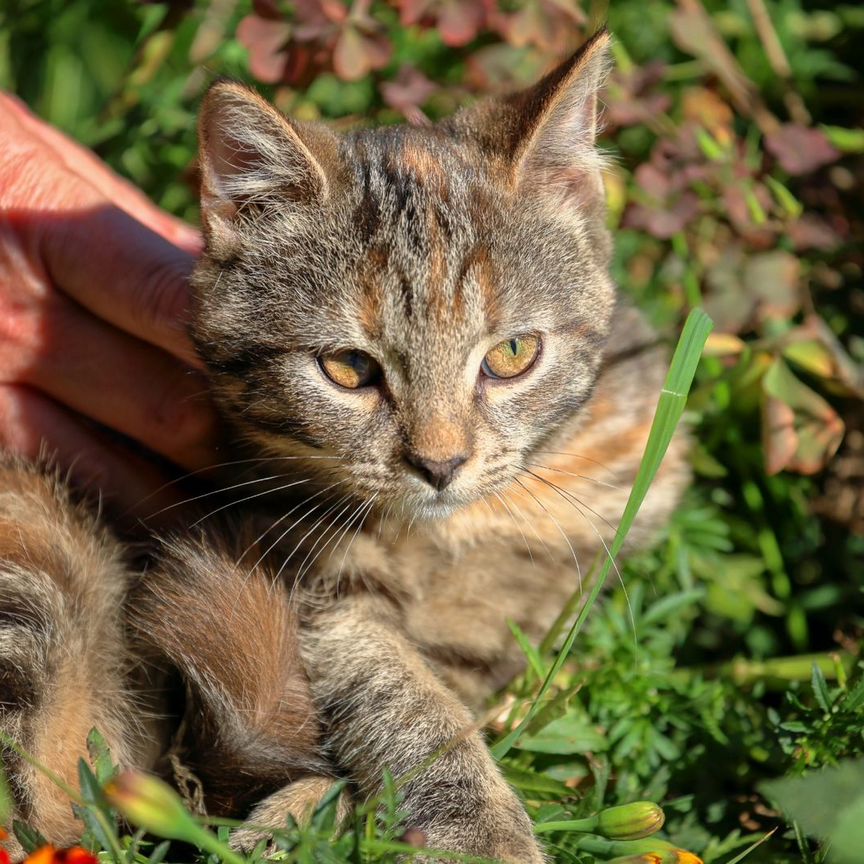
x: 354, y: 613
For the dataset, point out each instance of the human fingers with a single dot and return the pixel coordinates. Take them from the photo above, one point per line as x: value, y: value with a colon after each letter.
x: 33, y: 426
x: 92, y: 170
x: 122, y: 382
x: 92, y: 249
x: 125, y: 274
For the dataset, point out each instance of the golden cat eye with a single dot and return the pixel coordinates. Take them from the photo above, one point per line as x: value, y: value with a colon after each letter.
x: 351, y: 369
x: 511, y: 357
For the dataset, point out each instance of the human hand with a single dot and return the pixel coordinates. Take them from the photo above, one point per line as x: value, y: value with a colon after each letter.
x: 93, y: 303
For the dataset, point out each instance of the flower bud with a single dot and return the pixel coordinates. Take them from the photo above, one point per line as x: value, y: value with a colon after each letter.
x: 630, y: 821
x: 676, y: 856
x: 148, y: 803
x: 647, y: 851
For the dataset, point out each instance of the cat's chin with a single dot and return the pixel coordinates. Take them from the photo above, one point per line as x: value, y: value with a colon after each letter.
x: 438, y: 510
x: 432, y: 507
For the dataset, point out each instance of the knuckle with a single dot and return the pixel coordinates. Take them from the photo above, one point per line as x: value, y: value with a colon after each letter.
x: 159, y: 295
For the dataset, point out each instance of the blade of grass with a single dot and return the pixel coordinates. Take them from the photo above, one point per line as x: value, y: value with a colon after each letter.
x: 5, y: 798
x: 670, y: 406
x: 749, y: 849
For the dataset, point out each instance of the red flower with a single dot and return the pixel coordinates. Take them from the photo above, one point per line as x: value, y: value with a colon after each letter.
x: 50, y: 855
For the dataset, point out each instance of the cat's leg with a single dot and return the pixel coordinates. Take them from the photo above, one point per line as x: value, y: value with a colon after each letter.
x: 386, y: 709
x: 230, y: 630
x: 63, y: 656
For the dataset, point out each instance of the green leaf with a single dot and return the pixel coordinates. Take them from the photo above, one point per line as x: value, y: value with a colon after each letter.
x: 785, y: 198
x: 845, y: 140
x: 662, y: 609
x: 159, y: 853
x: 828, y: 804
x: 534, y: 782
x: 847, y: 839
x: 100, y: 757
x: 566, y: 735
x: 95, y: 812
x: 29, y: 838
x: 5, y: 798
x: 530, y: 652
x: 820, y: 689
x: 855, y: 697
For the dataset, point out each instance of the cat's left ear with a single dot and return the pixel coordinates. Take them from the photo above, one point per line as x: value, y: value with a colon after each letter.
x: 250, y: 154
x: 554, y: 146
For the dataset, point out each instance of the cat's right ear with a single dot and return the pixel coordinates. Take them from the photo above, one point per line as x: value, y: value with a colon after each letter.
x: 251, y: 154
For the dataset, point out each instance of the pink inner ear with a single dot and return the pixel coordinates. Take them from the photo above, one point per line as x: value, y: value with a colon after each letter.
x: 250, y: 152
x: 557, y: 155
x: 229, y: 156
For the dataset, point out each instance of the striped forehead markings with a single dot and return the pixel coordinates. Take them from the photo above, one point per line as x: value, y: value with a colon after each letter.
x: 405, y: 219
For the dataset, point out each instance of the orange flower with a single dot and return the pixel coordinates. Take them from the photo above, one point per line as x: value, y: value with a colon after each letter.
x: 674, y: 856
x: 51, y: 855
x: 4, y: 855
x: 661, y: 856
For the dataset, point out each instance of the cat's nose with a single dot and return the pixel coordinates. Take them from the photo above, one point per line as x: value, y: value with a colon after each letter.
x: 437, y: 473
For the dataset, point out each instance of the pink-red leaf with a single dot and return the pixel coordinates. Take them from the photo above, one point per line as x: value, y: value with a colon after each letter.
x: 265, y: 38
x: 408, y: 91
x: 357, y: 53
x: 459, y: 21
x: 799, y: 149
x: 801, y: 431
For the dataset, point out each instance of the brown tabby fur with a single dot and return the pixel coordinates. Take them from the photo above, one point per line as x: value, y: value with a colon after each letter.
x: 357, y: 616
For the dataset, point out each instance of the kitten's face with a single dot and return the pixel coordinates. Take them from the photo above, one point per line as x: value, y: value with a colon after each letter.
x: 400, y: 305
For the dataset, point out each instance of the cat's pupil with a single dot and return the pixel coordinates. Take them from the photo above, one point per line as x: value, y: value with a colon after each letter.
x: 514, y: 347
x: 357, y: 362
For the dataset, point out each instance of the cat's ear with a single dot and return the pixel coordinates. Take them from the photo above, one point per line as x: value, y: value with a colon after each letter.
x: 544, y: 137
x: 252, y: 154
x: 558, y: 117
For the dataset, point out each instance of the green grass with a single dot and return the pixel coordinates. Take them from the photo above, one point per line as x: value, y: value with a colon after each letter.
x: 728, y: 656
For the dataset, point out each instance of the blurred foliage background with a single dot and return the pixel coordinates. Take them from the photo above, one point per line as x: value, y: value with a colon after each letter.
x: 738, y: 184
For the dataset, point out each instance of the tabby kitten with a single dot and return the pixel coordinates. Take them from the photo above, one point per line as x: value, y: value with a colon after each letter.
x: 416, y: 332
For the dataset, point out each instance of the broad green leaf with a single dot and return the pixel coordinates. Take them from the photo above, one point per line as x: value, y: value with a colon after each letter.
x: 566, y: 735
x: 100, y: 757
x: 847, y: 839
x: 533, y: 782
x: 828, y: 804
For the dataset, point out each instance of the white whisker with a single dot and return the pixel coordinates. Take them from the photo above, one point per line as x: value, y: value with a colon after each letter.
x: 572, y: 474
x: 250, y: 498
x: 561, y: 531
x: 573, y: 502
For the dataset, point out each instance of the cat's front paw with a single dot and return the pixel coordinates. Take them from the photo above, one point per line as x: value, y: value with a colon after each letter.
x: 508, y: 844
x: 497, y: 831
